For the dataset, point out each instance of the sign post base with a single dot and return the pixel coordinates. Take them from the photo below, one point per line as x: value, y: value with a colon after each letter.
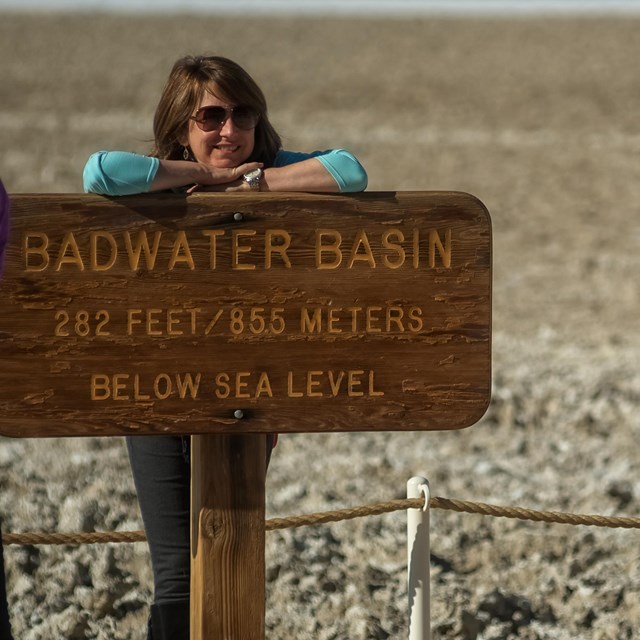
x: 228, y: 536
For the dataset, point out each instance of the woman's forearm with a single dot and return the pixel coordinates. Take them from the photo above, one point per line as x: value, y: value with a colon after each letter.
x: 173, y: 174
x: 334, y: 170
x: 119, y: 173
x: 308, y: 175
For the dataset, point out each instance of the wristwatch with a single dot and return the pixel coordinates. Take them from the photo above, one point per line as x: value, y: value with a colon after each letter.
x: 252, y: 178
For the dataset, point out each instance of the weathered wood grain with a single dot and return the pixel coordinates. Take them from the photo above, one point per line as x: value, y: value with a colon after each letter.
x: 227, y: 541
x: 92, y: 343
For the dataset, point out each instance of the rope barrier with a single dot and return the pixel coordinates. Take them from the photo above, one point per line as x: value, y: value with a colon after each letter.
x: 95, y: 537
x: 461, y: 506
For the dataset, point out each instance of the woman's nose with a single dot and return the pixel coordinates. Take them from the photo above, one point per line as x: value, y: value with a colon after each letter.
x: 228, y: 126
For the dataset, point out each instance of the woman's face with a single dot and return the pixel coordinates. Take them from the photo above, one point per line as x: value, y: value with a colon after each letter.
x: 226, y: 145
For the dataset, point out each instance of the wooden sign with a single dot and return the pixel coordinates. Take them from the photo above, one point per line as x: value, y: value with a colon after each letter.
x: 229, y: 313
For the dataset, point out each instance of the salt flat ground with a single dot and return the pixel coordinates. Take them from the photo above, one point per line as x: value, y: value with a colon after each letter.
x: 536, y: 117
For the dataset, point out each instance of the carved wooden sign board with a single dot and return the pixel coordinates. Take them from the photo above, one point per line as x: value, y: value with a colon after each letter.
x: 218, y: 313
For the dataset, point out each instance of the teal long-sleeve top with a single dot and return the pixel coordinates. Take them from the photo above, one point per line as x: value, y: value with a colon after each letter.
x: 120, y: 173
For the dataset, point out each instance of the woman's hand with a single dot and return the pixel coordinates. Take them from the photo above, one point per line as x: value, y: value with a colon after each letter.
x: 307, y: 175
x: 228, y: 187
x: 179, y: 173
x: 224, y: 177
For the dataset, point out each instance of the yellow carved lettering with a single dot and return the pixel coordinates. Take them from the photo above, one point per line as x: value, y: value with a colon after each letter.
x: 142, y: 244
x: 162, y: 386
x: 100, y: 386
x: 354, y: 317
x: 119, y: 386
x: 213, y: 322
x: 394, y: 316
x: 415, y: 258
x: 242, y: 384
x: 415, y: 315
x: 194, y: 313
x: 264, y: 386
x: 152, y: 321
x: 270, y: 247
x: 181, y: 252
x: 335, y: 382
x: 188, y: 385
x: 387, y: 244
x: 94, y: 237
x: 332, y: 320
x: 444, y: 249
x: 223, y: 389
x: 137, y: 394
x: 237, y: 249
x: 41, y: 251
x: 290, y: 392
x: 353, y: 380
x: 132, y: 319
x: 313, y: 383
x: 213, y: 234
x: 361, y: 240
x: 311, y: 324
x: 372, y: 391
x: 69, y: 242
x: 173, y: 321
x: 330, y: 248
x: 372, y: 318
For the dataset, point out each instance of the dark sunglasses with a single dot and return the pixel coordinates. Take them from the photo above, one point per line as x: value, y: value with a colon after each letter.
x: 212, y: 118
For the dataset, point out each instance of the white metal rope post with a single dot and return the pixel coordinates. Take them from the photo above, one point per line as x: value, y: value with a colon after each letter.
x: 418, y: 561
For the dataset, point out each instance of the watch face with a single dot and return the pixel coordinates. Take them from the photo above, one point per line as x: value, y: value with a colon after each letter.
x: 253, y: 174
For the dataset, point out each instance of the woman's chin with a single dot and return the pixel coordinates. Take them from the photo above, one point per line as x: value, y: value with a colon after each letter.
x: 225, y: 160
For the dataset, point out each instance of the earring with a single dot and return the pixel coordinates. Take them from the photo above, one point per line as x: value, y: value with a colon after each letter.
x: 185, y: 154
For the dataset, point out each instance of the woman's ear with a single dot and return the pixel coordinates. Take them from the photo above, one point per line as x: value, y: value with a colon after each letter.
x: 183, y: 135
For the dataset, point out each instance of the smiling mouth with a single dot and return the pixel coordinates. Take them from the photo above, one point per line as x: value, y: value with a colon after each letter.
x: 227, y: 148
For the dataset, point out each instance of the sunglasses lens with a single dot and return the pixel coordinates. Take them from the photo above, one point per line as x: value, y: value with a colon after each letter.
x: 245, y: 118
x: 210, y: 118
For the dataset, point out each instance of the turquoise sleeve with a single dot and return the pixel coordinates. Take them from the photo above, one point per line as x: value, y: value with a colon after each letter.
x: 118, y: 173
x: 344, y: 167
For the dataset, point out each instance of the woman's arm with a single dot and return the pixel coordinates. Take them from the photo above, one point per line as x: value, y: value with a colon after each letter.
x: 332, y: 170
x: 118, y: 173
x: 308, y: 175
x: 172, y: 174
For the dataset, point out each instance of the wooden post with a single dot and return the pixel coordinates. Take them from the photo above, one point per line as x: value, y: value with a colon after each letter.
x: 227, y: 537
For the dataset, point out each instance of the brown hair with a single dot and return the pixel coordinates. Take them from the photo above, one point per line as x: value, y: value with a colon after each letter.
x: 190, y: 77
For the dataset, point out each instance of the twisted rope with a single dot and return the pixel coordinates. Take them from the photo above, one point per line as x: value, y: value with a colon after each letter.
x: 461, y: 506
x: 95, y: 537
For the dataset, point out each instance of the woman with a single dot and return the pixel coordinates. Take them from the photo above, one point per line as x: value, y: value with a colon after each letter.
x: 211, y: 133
x: 211, y: 130
x: 5, y: 626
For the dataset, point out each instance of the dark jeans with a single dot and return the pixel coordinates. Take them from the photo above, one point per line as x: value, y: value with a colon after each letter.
x: 162, y: 475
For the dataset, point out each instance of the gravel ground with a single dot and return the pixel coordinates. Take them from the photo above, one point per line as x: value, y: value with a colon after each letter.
x: 538, y: 118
